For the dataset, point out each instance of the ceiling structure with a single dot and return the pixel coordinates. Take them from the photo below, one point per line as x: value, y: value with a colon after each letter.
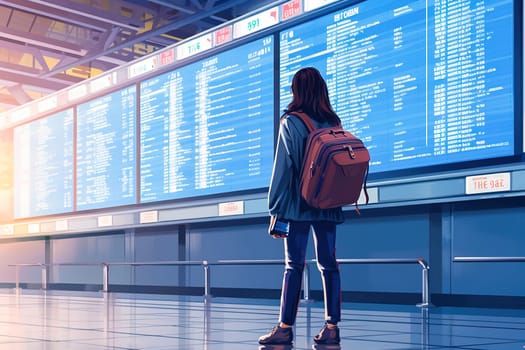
x: 48, y: 45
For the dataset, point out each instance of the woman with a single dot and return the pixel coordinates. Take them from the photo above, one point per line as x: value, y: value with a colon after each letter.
x: 310, y: 96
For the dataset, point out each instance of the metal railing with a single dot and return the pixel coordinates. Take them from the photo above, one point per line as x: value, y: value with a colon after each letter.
x: 44, y: 269
x: 17, y: 273
x: 489, y: 259
x: 105, y: 269
x: 425, y: 292
x: 425, y: 297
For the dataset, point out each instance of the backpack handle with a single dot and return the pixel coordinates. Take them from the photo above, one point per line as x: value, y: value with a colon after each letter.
x: 333, y: 132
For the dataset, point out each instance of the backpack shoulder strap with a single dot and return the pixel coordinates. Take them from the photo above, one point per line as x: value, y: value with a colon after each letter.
x: 306, y: 120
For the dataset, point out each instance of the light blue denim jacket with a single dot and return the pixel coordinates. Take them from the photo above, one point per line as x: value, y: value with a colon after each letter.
x: 284, y: 195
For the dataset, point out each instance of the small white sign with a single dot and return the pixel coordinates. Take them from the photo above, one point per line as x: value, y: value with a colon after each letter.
x: 310, y: 5
x: 231, y: 208
x: 61, y: 225
x: 104, y: 221
x: 6, y: 229
x: 195, y: 46
x: 487, y: 183
x: 47, y: 104
x: 102, y: 83
x: 147, y: 217
x: 256, y: 22
x: 33, y: 228
x: 142, y: 67
x: 77, y: 92
x: 20, y: 114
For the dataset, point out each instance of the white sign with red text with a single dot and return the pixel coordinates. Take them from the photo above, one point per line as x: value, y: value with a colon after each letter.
x: 231, y: 208
x: 487, y: 183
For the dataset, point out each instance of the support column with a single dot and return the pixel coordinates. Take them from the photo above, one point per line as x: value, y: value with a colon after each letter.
x: 182, y: 255
x: 47, y: 269
x: 129, y: 253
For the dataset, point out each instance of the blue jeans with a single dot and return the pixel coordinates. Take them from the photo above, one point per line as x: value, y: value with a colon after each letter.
x: 295, y: 252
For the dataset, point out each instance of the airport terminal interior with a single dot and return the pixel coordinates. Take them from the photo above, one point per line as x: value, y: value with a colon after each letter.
x: 137, y: 140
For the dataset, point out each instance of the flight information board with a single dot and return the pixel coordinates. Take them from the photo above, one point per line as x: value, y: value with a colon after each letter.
x: 207, y: 128
x: 43, y: 170
x: 420, y: 85
x: 106, y: 150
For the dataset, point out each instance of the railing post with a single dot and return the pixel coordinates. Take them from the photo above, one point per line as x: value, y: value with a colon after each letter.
x: 425, y: 299
x: 44, y: 276
x: 306, y: 282
x: 17, y: 278
x: 207, y: 279
x: 424, y: 328
x: 105, y: 277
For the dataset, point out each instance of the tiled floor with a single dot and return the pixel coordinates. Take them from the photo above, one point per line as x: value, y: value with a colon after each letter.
x: 55, y: 321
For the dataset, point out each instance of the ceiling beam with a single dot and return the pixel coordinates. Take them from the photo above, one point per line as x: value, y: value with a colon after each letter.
x: 56, y: 14
x: 209, y: 4
x: 40, y: 41
x: 8, y: 101
x: 19, y: 94
x: 197, y: 4
x: 19, y: 69
x: 172, y: 5
x: 131, y: 23
x: 39, y: 83
x: 143, y: 37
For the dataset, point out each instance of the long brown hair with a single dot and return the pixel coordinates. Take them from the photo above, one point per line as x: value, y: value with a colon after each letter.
x: 310, y: 95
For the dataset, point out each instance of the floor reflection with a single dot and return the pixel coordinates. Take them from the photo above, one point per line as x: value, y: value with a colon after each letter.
x: 31, y: 320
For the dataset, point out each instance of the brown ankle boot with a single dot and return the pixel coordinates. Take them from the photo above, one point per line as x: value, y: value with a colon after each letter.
x: 278, y: 335
x: 328, y: 336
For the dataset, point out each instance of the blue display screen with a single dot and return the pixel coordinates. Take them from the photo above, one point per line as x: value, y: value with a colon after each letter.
x: 207, y: 128
x: 106, y: 150
x: 421, y: 86
x: 43, y: 167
